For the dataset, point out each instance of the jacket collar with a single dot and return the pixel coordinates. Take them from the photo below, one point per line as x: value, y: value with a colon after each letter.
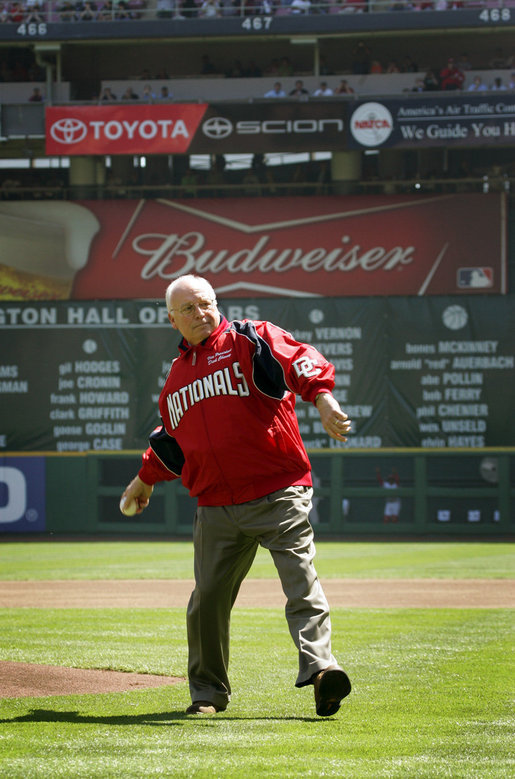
x: 185, y: 346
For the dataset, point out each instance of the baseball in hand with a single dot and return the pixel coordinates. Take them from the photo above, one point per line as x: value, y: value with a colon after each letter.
x: 128, y: 506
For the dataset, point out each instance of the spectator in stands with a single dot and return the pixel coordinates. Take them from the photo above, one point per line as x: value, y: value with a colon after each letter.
x: 353, y: 6
x: 393, y: 67
x: 216, y: 177
x: 276, y: 91
x: 498, y: 61
x: 130, y: 94
x: 270, y: 187
x: 477, y: 85
x: 300, y: 6
x: 451, y: 77
x: 66, y: 11
x: 189, y: 182
x: 164, y: 9
x: 236, y: 70
x: 408, y: 65
x: 323, y: 179
x: 189, y: 9
x: 285, y: 67
x: 361, y: 56
x: 8, y: 185
x: 511, y: 85
x: 33, y: 9
x: 273, y: 68
x: 252, y: 184
x: 323, y: 90
x: 122, y: 10
x: 165, y: 94
x: 106, y: 13
x: 250, y: 7
x: 253, y: 71
x: 419, y: 85
x: 88, y: 13
x: 228, y: 8
x: 36, y: 96
x: 344, y: 88
x: 376, y: 67
x: 497, y: 85
x: 431, y: 81
x: 148, y: 95
x: 207, y: 68
x: 136, y: 8
x: 210, y: 9
x: 298, y: 90
x: 324, y: 69
x: 464, y: 62
x: 297, y: 178
x: 5, y: 71
x: 107, y: 96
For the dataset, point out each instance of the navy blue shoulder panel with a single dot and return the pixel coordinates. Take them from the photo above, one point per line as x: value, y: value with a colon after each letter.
x: 268, y: 372
x: 167, y: 450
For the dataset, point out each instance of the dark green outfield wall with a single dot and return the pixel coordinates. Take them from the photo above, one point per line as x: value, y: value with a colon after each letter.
x: 451, y: 493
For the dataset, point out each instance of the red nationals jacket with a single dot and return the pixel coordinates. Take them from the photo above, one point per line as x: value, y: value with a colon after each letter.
x: 229, y: 429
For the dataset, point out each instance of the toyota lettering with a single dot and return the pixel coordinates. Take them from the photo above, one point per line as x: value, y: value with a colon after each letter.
x: 144, y: 129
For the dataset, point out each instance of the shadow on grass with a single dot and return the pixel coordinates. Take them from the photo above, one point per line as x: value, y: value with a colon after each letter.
x: 156, y: 719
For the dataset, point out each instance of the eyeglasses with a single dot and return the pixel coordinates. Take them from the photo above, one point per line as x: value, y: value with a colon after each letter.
x: 189, y: 309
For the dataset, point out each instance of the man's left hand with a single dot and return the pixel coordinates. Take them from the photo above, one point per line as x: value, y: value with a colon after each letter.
x: 336, y: 423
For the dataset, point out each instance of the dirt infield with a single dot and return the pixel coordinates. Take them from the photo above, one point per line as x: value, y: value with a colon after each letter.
x: 265, y: 593
x: 19, y: 680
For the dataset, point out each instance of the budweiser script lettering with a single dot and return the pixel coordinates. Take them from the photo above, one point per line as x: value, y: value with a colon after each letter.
x: 172, y: 255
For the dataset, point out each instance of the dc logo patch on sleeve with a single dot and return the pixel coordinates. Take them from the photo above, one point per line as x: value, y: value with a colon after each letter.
x: 305, y: 366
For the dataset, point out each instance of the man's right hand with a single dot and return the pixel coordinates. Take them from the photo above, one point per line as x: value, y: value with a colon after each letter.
x: 140, y: 492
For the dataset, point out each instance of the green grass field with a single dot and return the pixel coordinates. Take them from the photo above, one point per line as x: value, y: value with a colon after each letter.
x: 432, y: 696
x: 21, y: 560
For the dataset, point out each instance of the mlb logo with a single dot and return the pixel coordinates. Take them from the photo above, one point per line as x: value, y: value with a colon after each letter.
x: 475, y: 278
x: 22, y: 495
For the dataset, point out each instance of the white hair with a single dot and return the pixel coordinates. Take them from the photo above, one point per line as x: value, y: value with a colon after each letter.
x: 190, y: 278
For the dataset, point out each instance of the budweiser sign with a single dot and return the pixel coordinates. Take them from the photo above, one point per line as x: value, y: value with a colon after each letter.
x: 135, y: 129
x: 253, y: 247
x: 298, y: 247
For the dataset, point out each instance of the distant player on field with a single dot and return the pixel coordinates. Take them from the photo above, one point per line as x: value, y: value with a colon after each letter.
x: 392, y: 506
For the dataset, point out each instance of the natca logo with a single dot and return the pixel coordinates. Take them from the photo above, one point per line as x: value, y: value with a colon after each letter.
x: 371, y: 124
x: 68, y: 130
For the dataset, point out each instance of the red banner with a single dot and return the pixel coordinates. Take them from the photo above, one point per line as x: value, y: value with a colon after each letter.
x: 256, y: 247
x: 124, y: 129
x: 299, y: 247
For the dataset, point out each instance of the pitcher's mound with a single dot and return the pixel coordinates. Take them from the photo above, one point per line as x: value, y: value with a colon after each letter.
x: 28, y: 680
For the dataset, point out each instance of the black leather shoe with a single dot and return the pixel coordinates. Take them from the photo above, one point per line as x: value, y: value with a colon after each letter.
x: 331, y: 685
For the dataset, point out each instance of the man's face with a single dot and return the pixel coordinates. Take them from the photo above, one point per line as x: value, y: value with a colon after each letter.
x: 193, y: 311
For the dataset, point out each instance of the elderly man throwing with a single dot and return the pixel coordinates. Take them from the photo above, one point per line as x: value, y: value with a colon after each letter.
x: 230, y: 433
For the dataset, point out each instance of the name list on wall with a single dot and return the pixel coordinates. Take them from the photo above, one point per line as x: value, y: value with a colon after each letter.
x: 81, y: 377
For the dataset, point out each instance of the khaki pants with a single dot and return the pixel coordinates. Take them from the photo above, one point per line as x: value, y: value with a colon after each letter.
x: 226, y: 539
